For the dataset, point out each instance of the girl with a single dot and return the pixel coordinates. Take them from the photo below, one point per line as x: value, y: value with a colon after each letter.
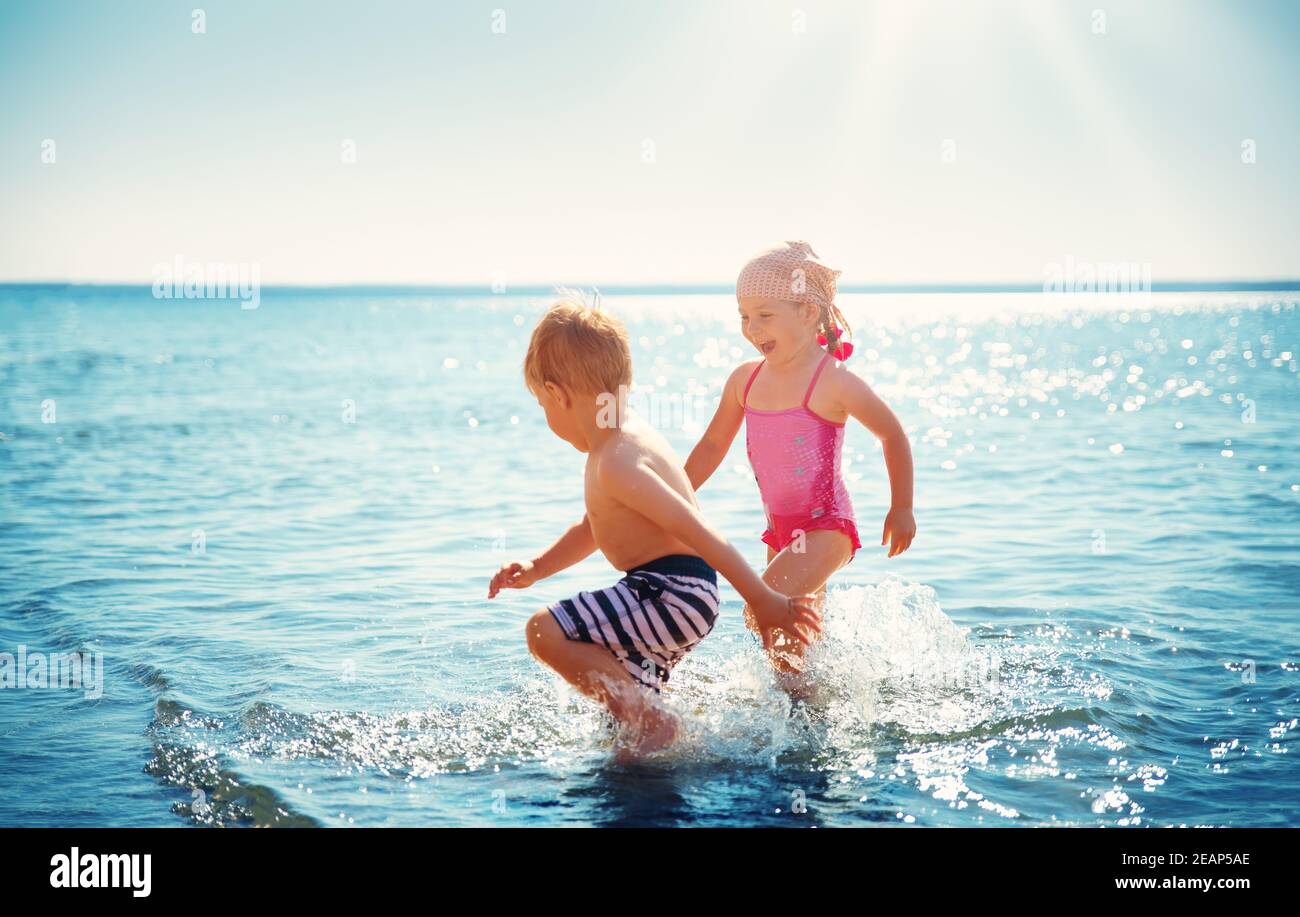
x: 795, y: 402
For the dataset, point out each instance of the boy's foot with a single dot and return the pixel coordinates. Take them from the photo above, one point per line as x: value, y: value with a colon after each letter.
x: 656, y: 731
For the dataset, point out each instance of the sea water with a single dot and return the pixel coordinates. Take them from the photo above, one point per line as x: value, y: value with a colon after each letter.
x: 274, y: 528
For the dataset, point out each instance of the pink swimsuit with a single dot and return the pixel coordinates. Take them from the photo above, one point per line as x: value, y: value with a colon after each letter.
x: 795, y: 455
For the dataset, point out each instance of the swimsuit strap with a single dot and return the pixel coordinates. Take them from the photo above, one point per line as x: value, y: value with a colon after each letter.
x: 816, y: 373
x: 745, y: 397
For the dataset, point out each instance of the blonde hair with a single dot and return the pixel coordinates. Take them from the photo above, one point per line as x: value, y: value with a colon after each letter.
x: 579, y: 346
x: 830, y: 317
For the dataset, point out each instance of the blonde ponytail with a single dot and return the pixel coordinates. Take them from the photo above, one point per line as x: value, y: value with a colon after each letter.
x: 831, y: 318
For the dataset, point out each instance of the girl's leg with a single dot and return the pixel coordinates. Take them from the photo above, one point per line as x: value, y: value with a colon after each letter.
x: 791, y: 573
x: 595, y: 672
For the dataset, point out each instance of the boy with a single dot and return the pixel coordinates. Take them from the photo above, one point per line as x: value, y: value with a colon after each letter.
x: 615, y: 643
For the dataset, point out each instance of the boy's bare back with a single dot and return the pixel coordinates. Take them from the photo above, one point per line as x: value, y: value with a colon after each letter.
x: 626, y: 537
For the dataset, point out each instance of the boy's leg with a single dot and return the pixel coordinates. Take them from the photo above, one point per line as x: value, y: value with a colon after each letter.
x: 790, y: 573
x: 595, y: 672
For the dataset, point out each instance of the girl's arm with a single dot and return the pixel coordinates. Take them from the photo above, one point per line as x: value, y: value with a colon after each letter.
x: 713, y: 445
x: 867, y: 408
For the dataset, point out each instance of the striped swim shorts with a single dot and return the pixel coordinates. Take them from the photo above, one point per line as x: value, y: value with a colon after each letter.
x: 650, y: 618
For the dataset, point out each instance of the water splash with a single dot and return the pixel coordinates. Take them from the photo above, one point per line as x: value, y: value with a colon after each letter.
x: 895, y: 678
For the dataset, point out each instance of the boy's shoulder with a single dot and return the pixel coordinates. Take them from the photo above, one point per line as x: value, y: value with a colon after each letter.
x: 636, y: 451
x: 635, y: 442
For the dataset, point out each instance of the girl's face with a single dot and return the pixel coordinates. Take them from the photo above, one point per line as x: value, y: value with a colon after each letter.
x: 779, y: 329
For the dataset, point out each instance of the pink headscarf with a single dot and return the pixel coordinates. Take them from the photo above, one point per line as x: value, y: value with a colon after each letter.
x: 791, y: 272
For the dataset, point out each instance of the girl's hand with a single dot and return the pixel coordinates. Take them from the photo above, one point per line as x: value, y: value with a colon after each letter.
x: 899, y: 530
x: 514, y: 575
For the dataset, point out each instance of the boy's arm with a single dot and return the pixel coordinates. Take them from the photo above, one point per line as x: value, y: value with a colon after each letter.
x: 574, y: 545
x: 571, y: 547
x: 713, y: 445
x: 867, y: 408
x: 629, y: 481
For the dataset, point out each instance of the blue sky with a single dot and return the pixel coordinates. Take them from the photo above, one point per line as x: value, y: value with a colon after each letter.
x: 648, y: 142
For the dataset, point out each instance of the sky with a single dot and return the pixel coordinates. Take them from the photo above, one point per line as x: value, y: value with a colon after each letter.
x: 648, y: 142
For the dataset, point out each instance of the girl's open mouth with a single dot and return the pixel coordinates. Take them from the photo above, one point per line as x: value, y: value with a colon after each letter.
x: 767, y: 346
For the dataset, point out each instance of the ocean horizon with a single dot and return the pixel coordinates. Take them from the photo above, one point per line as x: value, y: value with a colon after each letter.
x: 1245, y: 285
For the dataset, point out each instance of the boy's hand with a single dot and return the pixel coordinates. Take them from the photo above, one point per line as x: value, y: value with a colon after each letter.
x: 514, y: 575
x: 899, y: 530
x: 789, y: 614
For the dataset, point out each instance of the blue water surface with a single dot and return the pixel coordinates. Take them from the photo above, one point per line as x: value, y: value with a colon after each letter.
x: 276, y: 526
